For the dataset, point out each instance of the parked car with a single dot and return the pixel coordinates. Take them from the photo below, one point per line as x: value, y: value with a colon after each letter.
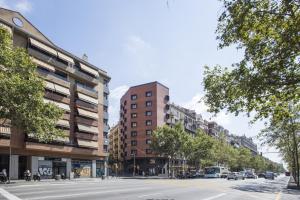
x: 224, y: 174
x: 261, y: 175
x: 235, y: 175
x: 287, y: 173
x: 270, y: 175
x: 250, y: 175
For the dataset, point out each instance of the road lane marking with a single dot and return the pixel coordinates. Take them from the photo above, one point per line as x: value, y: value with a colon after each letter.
x: 146, y: 195
x: 278, y: 196
x: 84, y: 194
x: 8, y: 195
x: 215, y: 197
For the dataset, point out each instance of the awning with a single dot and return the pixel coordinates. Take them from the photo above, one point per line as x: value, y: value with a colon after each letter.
x: 43, y: 46
x: 43, y: 64
x: 89, y: 129
x: 65, y: 57
x: 57, y: 88
x: 87, y: 98
x: 87, y: 143
x: 64, y: 123
x: 60, y: 105
x: 89, y: 70
x: 87, y: 113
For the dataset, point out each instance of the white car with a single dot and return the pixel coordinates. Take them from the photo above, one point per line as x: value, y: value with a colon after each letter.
x: 235, y: 176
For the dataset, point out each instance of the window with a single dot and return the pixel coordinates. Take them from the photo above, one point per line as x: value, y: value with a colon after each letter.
x: 148, y: 113
x: 148, y: 94
x: 133, y: 97
x: 148, y: 151
x: 133, y: 152
x: 148, y: 132
x: 133, y: 142
x: 148, y: 103
x: 133, y: 133
x: 148, y: 141
x: 105, y: 109
x: 133, y: 115
x: 148, y: 122
x: 133, y: 106
x: 105, y: 95
x: 133, y: 124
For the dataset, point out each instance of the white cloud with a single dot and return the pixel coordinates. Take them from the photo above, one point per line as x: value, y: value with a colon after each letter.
x: 114, y: 103
x: 197, y: 104
x: 23, y: 6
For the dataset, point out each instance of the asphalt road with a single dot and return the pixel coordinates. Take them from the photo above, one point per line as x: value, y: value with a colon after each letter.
x: 152, y: 189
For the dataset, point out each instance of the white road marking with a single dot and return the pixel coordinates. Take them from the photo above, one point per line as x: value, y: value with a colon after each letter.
x: 215, y: 197
x: 146, y: 195
x: 84, y: 193
x: 8, y: 195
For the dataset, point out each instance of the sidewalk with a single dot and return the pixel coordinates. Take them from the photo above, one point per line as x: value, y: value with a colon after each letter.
x: 292, y: 184
x: 23, y: 182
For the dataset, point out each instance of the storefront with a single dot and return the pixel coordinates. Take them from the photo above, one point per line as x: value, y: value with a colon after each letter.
x: 100, y: 168
x: 82, y: 168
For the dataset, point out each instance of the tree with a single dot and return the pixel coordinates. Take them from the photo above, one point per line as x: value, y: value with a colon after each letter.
x: 283, y: 135
x: 266, y: 81
x: 199, y: 149
x: 21, y: 93
x: 167, y: 142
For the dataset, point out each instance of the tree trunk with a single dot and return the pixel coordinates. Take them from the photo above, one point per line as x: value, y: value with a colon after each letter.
x: 296, y: 158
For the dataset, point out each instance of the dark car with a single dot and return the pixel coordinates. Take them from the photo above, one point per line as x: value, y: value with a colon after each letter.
x: 270, y: 175
x: 287, y: 173
x: 224, y: 174
x: 261, y: 175
x: 250, y: 175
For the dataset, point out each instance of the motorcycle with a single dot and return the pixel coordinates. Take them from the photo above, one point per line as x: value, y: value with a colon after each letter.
x: 27, y: 175
x: 37, y: 177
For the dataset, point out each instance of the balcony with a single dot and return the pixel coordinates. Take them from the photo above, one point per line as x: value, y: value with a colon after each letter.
x: 105, y: 89
x: 89, y: 122
x: 49, y: 59
x: 86, y: 106
x: 105, y: 128
x: 57, y: 97
x: 105, y: 101
x: 105, y: 115
x: 87, y: 136
x: 105, y: 141
x: 86, y: 90
x: 50, y: 76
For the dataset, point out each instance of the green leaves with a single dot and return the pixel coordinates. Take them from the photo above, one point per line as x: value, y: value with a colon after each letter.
x: 269, y: 74
x: 22, y: 91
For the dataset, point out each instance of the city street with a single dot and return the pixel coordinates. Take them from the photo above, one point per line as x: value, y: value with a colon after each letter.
x: 152, y: 189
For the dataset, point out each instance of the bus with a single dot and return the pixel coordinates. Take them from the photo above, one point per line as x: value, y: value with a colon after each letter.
x: 214, y: 171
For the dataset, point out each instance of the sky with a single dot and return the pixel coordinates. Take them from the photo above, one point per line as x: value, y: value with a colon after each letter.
x: 136, y: 42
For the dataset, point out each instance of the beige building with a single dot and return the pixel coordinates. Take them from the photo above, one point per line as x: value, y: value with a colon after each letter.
x: 74, y: 85
x: 115, y: 150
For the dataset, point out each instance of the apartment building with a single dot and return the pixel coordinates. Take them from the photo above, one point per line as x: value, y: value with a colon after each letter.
x: 178, y: 114
x: 201, y: 123
x: 74, y: 85
x: 143, y: 108
x: 115, y: 150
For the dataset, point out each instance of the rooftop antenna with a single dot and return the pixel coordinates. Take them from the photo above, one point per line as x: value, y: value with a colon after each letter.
x: 85, y: 57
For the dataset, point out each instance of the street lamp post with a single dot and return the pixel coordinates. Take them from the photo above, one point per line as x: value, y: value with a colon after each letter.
x: 133, y: 163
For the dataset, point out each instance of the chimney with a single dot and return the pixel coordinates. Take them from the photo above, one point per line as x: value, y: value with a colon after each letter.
x: 85, y: 57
